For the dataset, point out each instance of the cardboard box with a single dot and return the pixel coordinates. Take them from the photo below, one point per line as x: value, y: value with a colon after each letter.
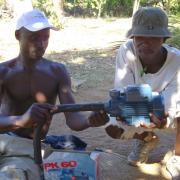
x: 71, y: 165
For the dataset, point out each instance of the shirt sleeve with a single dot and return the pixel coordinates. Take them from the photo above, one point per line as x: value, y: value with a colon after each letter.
x: 123, y: 73
x: 171, y: 96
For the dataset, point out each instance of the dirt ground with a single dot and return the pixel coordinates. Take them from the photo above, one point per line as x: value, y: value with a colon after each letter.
x: 92, y: 71
x: 88, y: 48
x: 115, y: 166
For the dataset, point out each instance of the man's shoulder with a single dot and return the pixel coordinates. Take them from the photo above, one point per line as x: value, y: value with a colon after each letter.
x: 5, y: 65
x: 127, y: 51
x: 127, y: 45
x: 128, y: 42
x: 173, y: 57
x: 55, y: 65
x: 172, y: 50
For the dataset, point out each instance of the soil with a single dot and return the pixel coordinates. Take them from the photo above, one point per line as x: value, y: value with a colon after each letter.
x: 92, y: 72
x: 88, y: 48
x: 114, y: 163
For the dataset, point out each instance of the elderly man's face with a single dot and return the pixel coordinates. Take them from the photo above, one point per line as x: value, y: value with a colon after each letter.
x: 148, y: 48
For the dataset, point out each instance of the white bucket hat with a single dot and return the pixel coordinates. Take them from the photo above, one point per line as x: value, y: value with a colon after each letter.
x: 34, y: 20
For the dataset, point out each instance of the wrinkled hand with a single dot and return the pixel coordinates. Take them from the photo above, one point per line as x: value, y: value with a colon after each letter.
x: 37, y: 113
x: 155, y: 122
x: 97, y: 119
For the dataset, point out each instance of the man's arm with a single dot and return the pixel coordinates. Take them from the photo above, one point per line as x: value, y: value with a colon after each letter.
x: 37, y: 113
x: 76, y: 120
x: 123, y: 71
x: 8, y: 123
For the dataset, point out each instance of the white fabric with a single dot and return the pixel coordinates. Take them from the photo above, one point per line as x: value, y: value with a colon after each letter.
x: 165, y: 81
x: 173, y: 167
x: 34, y: 20
x: 17, y: 159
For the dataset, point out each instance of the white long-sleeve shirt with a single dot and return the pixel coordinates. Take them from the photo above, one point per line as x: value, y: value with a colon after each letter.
x: 166, y: 80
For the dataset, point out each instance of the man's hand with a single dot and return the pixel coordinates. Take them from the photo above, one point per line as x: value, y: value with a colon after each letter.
x: 114, y: 131
x: 155, y: 122
x: 97, y: 119
x: 37, y: 113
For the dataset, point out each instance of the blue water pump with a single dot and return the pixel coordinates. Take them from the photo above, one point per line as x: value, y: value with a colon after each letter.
x: 134, y: 103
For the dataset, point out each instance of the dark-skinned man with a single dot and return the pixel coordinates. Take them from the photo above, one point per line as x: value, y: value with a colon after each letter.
x: 29, y: 87
x: 145, y: 59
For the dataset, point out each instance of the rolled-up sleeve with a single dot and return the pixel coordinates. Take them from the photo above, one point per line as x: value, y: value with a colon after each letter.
x: 123, y: 73
x: 172, y: 100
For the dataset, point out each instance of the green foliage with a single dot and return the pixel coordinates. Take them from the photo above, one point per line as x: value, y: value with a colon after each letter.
x: 1, y: 3
x: 119, y: 7
x: 99, y: 7
x: 48, y: 8
x: 175, y: 6
x: 175, y: 29
x: 82, y: 8
x: 171, y: 6
x: 175, y: 40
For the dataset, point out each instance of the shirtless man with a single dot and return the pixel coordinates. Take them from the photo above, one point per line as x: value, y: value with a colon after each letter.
x: 29, y: 86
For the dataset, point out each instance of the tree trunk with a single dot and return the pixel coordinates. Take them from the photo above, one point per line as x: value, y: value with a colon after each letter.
x: 8, y: 4
x: 136, y: 6
x: 100, y: 4
x: 168, y: 7
x: 99, y: 9
x: 5, y: 4
x: 59, y: 8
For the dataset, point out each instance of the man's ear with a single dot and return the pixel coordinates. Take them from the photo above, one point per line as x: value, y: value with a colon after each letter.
x: 17, y: 34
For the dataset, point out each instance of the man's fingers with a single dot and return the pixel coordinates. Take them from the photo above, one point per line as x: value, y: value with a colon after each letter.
x: 118, y: 118
x: 47, y: 106
x: 102, y: 112
x: 104, y: 115
x: 148, y: 126
x: 159, y: 123
x: 41, y: 112
x: 114, y: 131
x: 98, y: 118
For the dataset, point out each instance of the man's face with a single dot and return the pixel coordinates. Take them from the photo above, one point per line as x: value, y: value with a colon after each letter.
x: 148, y: 48
x: 33, y: 44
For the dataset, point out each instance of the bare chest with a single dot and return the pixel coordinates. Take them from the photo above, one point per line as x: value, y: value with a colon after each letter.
x: 39, y: 85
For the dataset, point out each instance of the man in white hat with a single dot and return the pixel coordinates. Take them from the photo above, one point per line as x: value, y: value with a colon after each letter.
x: 29, y: 86
x: 145, y: 59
